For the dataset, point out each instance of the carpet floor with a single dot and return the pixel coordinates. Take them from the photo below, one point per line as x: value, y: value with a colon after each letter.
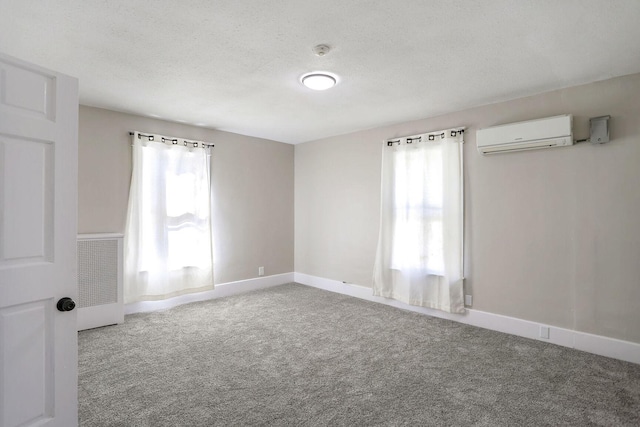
x: 298, y: 356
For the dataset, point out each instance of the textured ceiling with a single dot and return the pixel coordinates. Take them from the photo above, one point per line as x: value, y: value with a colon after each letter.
x: 235, y: 65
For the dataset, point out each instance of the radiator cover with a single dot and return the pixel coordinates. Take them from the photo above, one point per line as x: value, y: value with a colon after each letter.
x: 100, y: 300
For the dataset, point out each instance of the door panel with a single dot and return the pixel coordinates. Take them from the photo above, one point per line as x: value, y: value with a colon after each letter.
x: 26, y: 195
x: 27, y: 89
x: 38, y: 226
x: 25, y: 331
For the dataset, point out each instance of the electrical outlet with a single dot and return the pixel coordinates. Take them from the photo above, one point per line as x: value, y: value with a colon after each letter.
x: 468, y: 300
x: 544, y: 332
x: 260, y: 271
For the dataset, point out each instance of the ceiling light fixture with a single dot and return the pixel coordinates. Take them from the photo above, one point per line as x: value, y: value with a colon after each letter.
x: 319, y: 81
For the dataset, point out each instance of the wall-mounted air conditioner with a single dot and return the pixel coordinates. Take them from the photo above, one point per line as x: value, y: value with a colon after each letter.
x: 530, y: 135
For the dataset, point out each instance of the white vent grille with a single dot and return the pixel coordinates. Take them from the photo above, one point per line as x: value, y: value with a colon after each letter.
x: 99, y: 280
x: 97, y: 272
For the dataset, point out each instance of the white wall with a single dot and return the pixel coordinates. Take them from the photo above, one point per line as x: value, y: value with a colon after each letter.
x: 552, y: 236
x: 252, y: 183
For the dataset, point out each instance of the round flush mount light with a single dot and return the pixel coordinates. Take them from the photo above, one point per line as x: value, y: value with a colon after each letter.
x: 319, y: 81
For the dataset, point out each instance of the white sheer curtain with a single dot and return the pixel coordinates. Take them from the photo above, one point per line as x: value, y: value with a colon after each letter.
x: 419, y: 256
x: 168, y: 241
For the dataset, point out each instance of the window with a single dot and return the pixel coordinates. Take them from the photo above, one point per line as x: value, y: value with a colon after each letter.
x: 417, y: 205
x: 419, y: 256
x: 168, y: 243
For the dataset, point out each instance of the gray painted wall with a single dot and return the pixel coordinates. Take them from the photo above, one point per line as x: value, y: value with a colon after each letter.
x: 552, y: 236
x: 253, y: 189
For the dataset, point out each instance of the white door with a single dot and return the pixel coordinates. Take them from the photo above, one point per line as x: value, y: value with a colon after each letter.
x: 38, y: 203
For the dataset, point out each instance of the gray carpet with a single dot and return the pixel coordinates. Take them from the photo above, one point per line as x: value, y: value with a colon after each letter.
x: 298, y: 356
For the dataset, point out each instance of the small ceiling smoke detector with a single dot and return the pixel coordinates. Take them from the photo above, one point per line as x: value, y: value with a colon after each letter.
x: 321, y: 50
x: 318, y: 81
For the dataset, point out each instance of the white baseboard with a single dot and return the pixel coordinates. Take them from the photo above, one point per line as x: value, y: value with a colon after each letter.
x: 597, y: 344
x: 219, y: 291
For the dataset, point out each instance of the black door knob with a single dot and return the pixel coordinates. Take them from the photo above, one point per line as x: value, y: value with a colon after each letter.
x: 66, y: 304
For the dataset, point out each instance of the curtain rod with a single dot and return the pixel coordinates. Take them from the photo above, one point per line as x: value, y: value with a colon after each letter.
x: 431, y: 136
x: 174, y: 141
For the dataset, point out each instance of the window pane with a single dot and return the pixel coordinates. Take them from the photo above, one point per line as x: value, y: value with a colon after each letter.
x: 181, y: 194
x: 188, y: 247
x: 418, y: 200
x: 433, y: 178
